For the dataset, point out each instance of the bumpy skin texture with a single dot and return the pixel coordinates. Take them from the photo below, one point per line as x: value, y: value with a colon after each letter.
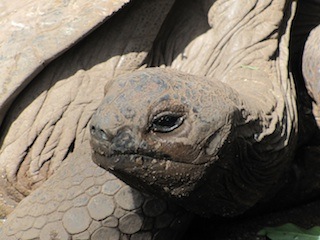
x: 235, y: 42
x: 83, y: 201
x: 128, y: 142
x: 311, y: 68
x: 48, y: 119
x: 183, y: 135
x: 46, y: 29
x: 258, y: 124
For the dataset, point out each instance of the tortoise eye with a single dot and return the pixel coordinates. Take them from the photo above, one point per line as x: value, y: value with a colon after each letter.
x: 166, y: 122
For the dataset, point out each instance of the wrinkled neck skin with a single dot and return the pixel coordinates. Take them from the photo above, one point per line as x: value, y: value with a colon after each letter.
x: 225, y: 156
x: 238, y: 133
x: 252, y: 163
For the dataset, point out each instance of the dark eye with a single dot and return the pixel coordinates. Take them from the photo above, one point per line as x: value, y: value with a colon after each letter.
x: 166, y: 122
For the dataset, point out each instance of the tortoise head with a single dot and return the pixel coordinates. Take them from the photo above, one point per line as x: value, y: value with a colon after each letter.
x: 161, y: 130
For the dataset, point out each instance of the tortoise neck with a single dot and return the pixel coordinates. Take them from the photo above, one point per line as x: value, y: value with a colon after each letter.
x: 256, y: 152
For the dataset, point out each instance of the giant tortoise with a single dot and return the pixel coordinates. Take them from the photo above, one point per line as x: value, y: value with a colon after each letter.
x: 223, y: 124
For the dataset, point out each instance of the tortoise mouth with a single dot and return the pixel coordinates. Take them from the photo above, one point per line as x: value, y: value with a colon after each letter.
x: 132, y: 160
x: 118, y: 160
x: 104, y: 156
x: 157, y: 174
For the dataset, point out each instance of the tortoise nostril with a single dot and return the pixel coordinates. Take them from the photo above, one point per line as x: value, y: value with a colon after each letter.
x: 98, y: 133
x: 92, y: 130
x: 103, y: 134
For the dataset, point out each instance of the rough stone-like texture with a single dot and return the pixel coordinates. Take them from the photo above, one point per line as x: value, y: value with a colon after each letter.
x: 125, y: 198
x: 183, y: 59
x: 63, y: 214
x: 76, y: 220
x: 49, y: 117
x: 311, y: 63
x: 39, y: 31
x: 106, y: 233
x: 130, y: 223
x: 50, y: 231
x: 95, y: 204
x: 111, y: 187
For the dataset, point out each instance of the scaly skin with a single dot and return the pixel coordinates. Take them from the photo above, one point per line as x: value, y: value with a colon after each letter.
x: 190, y: 138
x: 311, y: 67
x: 48, y: 119
x: 83, y: 201
x: 259, y: 60
x: 48, y: 28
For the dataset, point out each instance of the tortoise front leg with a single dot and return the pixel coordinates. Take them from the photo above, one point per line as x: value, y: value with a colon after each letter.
x: 83, y: 201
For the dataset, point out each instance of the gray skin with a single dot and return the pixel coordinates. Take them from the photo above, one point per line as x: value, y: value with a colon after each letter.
x: 184, y: 136
x: 47, y: 125
x: 192, y: 139
x: 248, y: 82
